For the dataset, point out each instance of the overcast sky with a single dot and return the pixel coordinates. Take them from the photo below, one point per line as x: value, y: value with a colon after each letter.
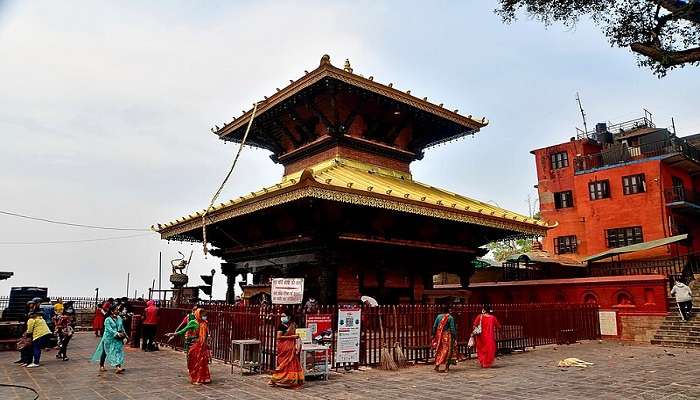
x: 105, y: 111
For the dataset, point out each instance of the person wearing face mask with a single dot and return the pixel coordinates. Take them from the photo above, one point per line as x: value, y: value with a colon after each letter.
x: 288, y: 373
x: 198, y: 354
x: 111, y: 347
x: 189, y: 335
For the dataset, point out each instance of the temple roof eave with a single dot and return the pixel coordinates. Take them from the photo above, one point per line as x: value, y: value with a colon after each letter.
x: 354, y: 182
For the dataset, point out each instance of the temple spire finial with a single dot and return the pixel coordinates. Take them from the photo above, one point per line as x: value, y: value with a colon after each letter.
x: 325, y: 59
x: 347, y: 66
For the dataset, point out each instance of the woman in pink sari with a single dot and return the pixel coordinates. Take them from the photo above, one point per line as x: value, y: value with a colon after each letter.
x: 486, y: 341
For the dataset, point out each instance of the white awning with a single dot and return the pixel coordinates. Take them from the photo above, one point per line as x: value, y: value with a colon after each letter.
x: 637, y: 247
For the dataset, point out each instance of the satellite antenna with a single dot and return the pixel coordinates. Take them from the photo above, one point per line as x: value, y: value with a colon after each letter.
x: 583, y: 114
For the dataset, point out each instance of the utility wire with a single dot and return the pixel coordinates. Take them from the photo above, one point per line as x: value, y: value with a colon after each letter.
x: 50, y: 221
x: 73, y: 241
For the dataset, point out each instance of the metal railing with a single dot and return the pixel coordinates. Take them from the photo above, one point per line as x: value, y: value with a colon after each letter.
x: 523, y: 325
x: 637, y: 123
x: 679, y: 194
x: 681, y: 267
x: 621, y: 154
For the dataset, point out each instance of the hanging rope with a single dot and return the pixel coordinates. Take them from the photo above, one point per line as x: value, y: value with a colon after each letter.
x: 218, y: 192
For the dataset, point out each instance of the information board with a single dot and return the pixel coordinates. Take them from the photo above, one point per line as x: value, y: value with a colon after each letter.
x: 319, y: 323
x: 287, y: 290
x: 347, y: 349
x: 608, y: 323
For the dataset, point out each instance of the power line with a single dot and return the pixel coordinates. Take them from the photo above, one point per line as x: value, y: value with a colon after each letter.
x: 108, y: 228
x: 73, y: 241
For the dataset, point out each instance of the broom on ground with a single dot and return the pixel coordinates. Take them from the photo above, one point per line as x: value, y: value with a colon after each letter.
x: 399, y: 355
x: 386, y: 360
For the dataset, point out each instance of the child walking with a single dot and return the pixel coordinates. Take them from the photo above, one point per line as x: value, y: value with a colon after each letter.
x: 64, y: 332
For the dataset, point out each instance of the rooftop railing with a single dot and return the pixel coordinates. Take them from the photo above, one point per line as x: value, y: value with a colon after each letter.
x: 679, y: 194
x: 621, y: 154
x: 643, y: 122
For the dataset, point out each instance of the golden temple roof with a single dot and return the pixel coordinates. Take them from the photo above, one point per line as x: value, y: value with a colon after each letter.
x: 351, y: 181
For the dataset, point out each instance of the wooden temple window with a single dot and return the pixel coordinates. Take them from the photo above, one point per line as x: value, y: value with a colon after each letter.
x: 563, y: 199
x: 565, y: 244
x: 560, y: 160
x: 634, y: 184
x: 619, y: 237
x: 599, y: 189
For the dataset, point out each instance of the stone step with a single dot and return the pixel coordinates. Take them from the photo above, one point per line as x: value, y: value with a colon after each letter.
x: 678, y: 322
x: 676, y: 328
x: 675, y: 343
x: 680, y: 336
x: 675, y: 317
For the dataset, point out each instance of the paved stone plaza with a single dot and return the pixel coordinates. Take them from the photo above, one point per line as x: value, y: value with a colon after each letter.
x: 620, y: 372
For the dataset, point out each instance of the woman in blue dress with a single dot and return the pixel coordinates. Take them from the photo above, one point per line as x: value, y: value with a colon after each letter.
x: 111, y: 347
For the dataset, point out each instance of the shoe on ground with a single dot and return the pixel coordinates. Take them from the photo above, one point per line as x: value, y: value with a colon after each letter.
x: 66, y: 358
x: 18, y: 362
x: 32, y: 365
x: 23, y: 364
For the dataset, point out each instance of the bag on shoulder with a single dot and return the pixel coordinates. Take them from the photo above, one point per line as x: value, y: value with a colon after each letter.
x: 23, y: 343
x: 477, y: 329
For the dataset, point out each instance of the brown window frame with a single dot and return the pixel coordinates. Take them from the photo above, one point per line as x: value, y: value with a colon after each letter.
x: 620, y: 237
x: 595, y: 193
x: 634, y: 184
x: 565, y: 244
x: 563, y: 199
x: 559, y: 160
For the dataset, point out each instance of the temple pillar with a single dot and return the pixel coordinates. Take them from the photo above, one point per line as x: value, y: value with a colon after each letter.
x: 231, y: 288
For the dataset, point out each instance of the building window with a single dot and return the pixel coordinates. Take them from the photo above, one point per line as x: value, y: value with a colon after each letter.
x: 599, y: 190
x: 565, y: 244
x: 634, y: 184
x: 563, y: 199
x: 560, y: 160
x: 619, y: 237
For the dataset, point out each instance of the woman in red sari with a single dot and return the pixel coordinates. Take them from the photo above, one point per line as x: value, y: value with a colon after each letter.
x: 486, y: 340
x: 444, y: 339
x: 198, y: 354
x: 98, y: 323
x: 288, y: 372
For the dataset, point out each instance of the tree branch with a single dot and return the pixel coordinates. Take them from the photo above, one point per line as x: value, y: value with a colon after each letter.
x: 689, y: 11
x: 666, y: 58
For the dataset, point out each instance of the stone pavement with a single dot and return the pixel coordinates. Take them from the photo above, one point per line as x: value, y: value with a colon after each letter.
x: 620, y: 372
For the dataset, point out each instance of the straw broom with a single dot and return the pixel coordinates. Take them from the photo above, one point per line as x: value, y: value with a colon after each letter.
x: 386, y: 360
x: 399, y: 355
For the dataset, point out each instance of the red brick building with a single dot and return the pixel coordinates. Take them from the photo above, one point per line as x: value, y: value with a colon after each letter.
x: 620, y: 185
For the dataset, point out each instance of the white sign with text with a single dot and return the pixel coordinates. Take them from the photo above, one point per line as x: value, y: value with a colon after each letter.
x: 347, y: 349
x: 287, y: 290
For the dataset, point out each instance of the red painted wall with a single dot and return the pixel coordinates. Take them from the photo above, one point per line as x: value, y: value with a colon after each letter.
x: 639, y: 294
x: 639, y: 301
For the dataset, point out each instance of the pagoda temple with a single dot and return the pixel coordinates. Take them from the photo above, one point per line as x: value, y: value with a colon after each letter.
x: 347, y: 215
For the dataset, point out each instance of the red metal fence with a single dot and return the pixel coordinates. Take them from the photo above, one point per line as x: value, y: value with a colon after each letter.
x: 523, y: 325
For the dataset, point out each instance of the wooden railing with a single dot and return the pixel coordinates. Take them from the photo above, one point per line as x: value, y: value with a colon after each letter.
x: 523, y: 325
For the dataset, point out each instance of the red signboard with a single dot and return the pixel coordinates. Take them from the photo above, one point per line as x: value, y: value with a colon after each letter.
x: 319, y: 323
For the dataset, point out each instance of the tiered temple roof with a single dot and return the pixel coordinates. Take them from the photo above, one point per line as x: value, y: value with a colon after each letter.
x: 346, y: 138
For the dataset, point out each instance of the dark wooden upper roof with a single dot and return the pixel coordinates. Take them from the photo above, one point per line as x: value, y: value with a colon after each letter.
x: 430, y: 123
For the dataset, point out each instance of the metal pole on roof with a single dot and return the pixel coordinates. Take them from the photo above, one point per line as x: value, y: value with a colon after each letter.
x: 160, y: 273
x: 128, y: 278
